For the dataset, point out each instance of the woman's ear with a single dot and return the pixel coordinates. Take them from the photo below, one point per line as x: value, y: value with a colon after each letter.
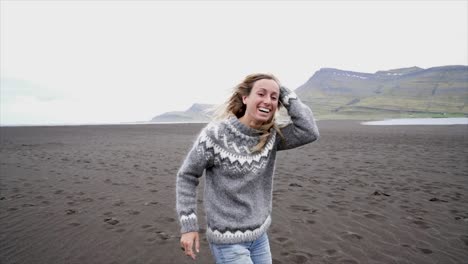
x: 244, y: 98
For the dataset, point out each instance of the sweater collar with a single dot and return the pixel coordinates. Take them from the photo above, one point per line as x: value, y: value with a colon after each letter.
x: 234, y: 121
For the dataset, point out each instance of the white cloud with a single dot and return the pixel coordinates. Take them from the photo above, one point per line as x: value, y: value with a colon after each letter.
x: 128, y: 61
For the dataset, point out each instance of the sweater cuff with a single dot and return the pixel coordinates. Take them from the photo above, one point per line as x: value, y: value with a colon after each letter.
x: 286, y: 95
x: 188, y: 223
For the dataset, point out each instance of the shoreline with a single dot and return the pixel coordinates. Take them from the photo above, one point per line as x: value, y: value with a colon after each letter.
x: 419, y: 121
x: 393, y: 121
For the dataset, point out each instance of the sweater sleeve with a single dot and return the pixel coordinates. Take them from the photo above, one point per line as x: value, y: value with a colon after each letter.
x: 303, y: 128
x: 188, y: 176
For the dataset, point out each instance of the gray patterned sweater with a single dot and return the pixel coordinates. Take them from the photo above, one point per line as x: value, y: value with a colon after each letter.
x: 238, y: 183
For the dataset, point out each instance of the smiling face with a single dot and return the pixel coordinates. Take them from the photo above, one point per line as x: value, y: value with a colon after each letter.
x: 261, y: 103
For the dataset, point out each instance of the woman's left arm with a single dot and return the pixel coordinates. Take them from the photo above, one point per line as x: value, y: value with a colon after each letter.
x: 303, y: 128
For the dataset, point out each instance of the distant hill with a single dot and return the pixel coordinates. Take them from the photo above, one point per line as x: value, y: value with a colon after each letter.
x: 417, y: 92
x: 196, y: 113
x: 339, y: 94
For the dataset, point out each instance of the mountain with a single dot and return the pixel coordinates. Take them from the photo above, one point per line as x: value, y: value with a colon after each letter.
x: 397, y: 93
x: 437, y: 92
x: 196, y: 113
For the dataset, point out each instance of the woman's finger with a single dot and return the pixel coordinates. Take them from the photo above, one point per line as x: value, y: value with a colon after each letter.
x: 189, y: 251
x: 197, y: 244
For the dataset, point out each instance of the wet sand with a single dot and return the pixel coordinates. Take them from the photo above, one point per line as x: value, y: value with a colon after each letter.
x: 361, y: 194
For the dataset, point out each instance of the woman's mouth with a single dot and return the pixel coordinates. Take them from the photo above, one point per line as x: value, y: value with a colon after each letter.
x: 264, y: 110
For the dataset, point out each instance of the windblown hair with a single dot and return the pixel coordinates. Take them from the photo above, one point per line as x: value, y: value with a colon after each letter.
x: 236, y: 107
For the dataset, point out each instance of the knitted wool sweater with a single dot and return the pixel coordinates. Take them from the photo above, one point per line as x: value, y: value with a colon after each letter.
x: 238, y: 183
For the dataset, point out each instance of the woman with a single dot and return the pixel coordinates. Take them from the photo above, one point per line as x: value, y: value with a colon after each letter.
x: 238, y: 156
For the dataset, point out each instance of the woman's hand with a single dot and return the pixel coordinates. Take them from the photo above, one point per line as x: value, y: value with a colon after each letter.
x: 283, y: 93
x: 186, y: 242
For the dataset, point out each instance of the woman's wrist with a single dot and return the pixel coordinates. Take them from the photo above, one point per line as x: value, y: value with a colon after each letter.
x: 286, y: 95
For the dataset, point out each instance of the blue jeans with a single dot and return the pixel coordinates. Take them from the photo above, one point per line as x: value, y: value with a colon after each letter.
x: 256, y: 252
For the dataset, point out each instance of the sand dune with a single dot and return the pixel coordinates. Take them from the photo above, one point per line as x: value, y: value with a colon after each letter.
x: 361, y: 194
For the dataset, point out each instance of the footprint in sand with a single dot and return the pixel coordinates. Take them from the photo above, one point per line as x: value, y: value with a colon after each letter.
x: 163, y: 235
x: 464, y: 239
x: 351, y: 236
x: 150, y: 203
x: 151, y: 230
x: 118, y: 203
x: 302, y: 208
x: 281, y: 239
x: 167, y: 219
x: 298, y: 220
x: 133, y: 212
x: 421, y: 224
x: 425, y: 250
x: 279, y: 191
x: 348, y: 261
x: 111, y: 221
x: 335, y: 208
x: 58, y: 191
x: 435, y: 199
x: 274, y: 230
x: 298, y: 259
x: 16, y: 196
x: 109, y: 214
x: 70, y: 211
x: 375, y: 216
x: 295, y: 185
x: 453, y: 211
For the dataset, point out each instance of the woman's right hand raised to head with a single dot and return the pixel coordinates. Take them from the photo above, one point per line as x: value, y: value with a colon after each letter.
x: 186, y: 243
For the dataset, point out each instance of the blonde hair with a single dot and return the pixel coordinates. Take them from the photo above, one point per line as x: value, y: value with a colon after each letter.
x: 235, y: 106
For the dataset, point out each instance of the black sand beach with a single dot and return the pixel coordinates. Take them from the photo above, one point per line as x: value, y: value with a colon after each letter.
x: 361, y: 194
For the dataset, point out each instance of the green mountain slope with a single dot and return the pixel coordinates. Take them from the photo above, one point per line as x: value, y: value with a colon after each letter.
x: 437, y: 92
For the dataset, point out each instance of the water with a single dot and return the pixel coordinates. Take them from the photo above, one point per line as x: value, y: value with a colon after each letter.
x: 419, y: 121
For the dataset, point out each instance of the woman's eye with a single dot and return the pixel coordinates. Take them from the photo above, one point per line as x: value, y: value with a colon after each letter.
x: 260, y: 94
x: 274, y: 98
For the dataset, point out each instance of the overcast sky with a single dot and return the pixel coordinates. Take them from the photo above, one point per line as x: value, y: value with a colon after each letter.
x: 124, y: 61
